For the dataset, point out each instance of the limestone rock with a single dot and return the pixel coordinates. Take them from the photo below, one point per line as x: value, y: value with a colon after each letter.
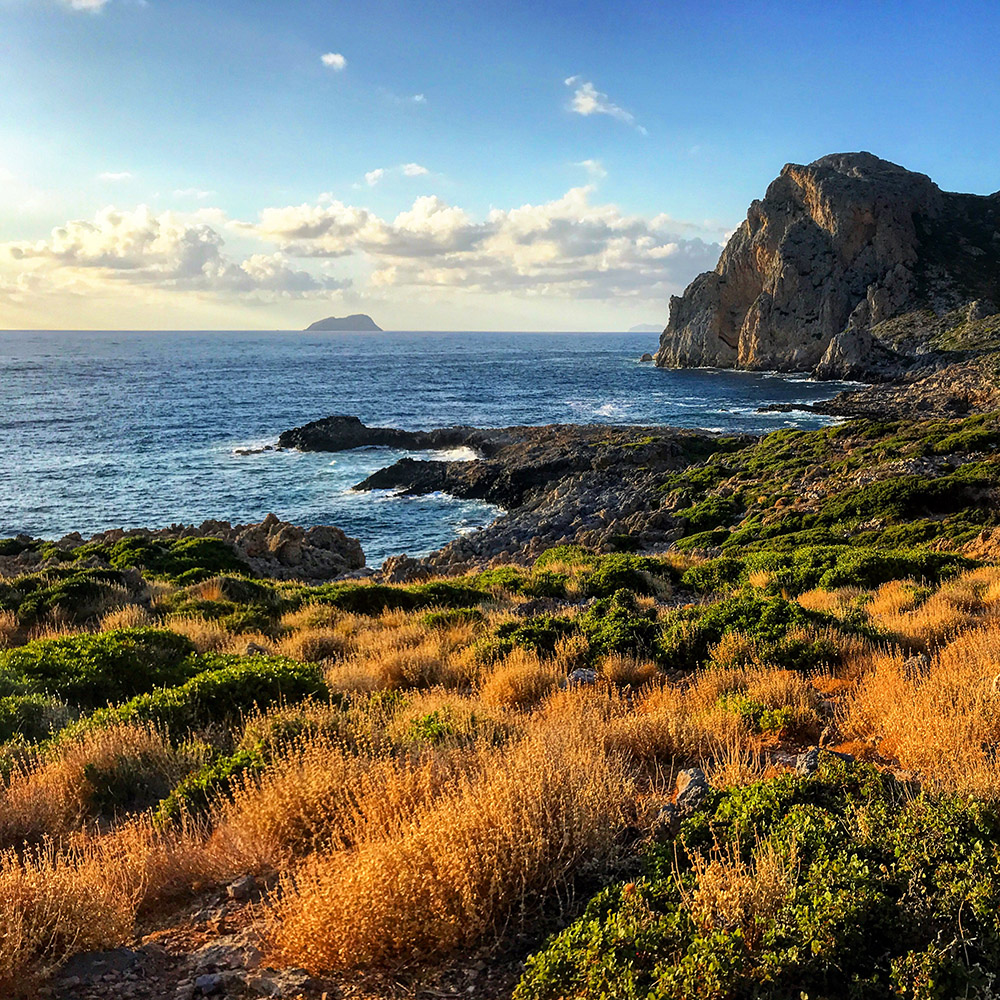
x: 832, y: 251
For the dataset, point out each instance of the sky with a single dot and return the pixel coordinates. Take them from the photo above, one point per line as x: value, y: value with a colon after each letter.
x: 446, y: 165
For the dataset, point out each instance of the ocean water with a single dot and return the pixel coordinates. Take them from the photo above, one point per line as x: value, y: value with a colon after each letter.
x: 128, y: 429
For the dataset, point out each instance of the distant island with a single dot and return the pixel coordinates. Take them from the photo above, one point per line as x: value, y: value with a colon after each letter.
x: 646, y: 328
x: 357, y: 323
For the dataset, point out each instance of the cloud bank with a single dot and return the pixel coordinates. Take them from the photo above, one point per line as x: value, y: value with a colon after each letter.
x: 571, y: 249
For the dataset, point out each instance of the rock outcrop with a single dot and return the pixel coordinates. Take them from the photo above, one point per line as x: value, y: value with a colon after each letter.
x: 845, y: 268
x: 272, y: 548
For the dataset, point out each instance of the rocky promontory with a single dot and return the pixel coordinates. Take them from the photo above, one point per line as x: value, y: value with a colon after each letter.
x: 849, y: 267
x: 594, y: 485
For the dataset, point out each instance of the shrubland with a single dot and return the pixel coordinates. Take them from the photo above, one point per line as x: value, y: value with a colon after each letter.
x: 417, y: 770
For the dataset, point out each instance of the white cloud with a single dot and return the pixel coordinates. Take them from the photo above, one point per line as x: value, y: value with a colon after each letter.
x: 418, y: 99
x: 94, y: 6
x: 114, y: 176
x: 404, y: 169
x: 165, y: 251
x: 593, y: 167
x: 587, y: 100
x: 334, y: 60
x: 196, y: 193
x: 568, y: 247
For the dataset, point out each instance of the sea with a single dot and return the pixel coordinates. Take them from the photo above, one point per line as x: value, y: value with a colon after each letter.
x: 146, y: 429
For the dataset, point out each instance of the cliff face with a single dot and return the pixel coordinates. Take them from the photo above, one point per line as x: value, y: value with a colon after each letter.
x: 846, y: 267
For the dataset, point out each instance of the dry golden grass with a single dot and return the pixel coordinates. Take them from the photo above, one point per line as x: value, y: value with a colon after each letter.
x: 54, y: 904
x: 521, y: 680
x: 937, y: 716
x: 56, y: 793
x: 323, y: 795
x: 402, y: 654
x: 626, y: 670
x: 11, y: 632
x: 468, y: 862
x: 923, y: 621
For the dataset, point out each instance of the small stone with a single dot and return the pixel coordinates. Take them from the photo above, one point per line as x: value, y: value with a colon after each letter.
x: 208, y: 984
x: 242, y: 889
x: 691, y: 788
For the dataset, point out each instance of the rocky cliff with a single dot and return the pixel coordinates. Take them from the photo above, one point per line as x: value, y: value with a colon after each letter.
x: 848, y: 267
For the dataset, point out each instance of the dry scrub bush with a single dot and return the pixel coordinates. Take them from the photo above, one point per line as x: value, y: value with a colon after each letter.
x: 829, y: 602
x: 521, y: 680
x: 207, y: 635
x: 311, y: 645
x: 321, y: 794
x: 54, y: 794
x: 626, y: 670
x: 730, y: 894
x: 11, y: 633
x: 53, y: 904
x: 937, y: 717
x: 407, y: 656
x: 468, y: 862
x: 127, y: 616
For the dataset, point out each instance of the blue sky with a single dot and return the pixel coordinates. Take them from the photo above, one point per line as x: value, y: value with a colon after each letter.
x: 451, y: 164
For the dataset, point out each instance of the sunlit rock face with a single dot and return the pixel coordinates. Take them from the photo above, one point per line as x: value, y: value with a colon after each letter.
x: 825, y: 266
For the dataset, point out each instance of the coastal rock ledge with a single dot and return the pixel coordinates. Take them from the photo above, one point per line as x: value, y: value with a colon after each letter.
x: 850, y: 267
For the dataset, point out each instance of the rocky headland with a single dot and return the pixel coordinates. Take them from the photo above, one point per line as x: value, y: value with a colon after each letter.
x: 849, y: 267
x: 592, y: 485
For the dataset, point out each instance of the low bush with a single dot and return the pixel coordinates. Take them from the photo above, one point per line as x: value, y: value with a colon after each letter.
x: 781, y: 632
x: 846, y: 885
x: 224, y: 688
x: 374, y: 598
x: 31, y: 717
x: 616, y: 625
x: 91, y: 670
x: 540, y: 634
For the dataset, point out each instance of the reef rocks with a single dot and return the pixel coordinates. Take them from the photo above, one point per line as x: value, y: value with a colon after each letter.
x: 843, y: 268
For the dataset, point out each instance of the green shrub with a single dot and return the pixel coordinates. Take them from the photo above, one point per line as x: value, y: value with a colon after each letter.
x: 688, y: 634
x: 712, y: 512
x: 187, y: 560
x: 91, y: 670
x: 224, y: 688
x: 196, y: 793
x: 451, y: 616
x: 540, y: 634
x: 887, y: 893
x: 715, y: 576
x: 76, y: 595
x: 374, y: 598
x: 617, y: 625
x: 31, y: 717
x: 622, y: 572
